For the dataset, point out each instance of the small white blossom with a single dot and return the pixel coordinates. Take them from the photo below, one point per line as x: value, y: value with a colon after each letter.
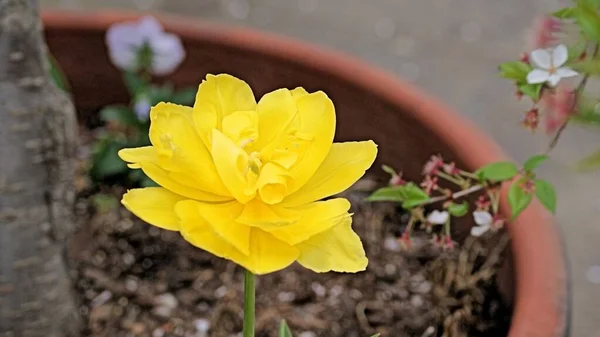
x: 125, y: 41
x: 549, y: 66
x: 437, y: 218
x: 484, y: 222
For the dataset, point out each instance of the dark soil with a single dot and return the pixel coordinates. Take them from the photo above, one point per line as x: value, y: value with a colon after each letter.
x: 137, y: 280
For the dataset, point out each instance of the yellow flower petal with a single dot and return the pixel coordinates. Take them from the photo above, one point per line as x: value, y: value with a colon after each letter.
x: 316, y: 124
x: 337, y: 249
x: 176, y: 182
x: 154, y: 205
x: 343, y: 166
x: 272, y: 183
x: 258, y: 214
x: 241, y: 127
x: 267, y: 254
x: 232, y: 164
x: 217, y: 97
x: 316, y: 217
x: 173, y: 182
x: 179, y: 149
x: 275, y: 111
x: 221, y: 218
x: 299, y: 92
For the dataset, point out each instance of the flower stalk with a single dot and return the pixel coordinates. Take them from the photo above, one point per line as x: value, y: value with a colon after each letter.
x: 249, y: 304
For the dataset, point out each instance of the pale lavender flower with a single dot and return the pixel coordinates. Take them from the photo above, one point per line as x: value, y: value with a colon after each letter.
x: 142, y: 107
x: 126, y: 40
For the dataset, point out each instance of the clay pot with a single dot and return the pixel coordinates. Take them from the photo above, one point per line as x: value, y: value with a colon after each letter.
x: 407, y: 125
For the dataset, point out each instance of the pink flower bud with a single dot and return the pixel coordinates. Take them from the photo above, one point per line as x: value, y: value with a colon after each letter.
x: 543, y: 32
x: 430, y: 184
x: 433, y: 165
x: 559, y: 105
x: 448, y: 243
x: 405, y: 241
x: 531, y: 120
x: 397, y: 180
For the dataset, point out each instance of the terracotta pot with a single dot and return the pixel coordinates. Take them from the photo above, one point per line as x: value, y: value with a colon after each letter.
x: 407, y: 125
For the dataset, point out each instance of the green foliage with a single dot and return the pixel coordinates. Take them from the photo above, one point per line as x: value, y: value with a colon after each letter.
x: 534, y: 162
x: 392, y: 193
x: 498, y: 171
x: 576, y: 51
x: 388, y: 170
x: 134, y: 83
x: 105, y: 161
x: 104, y: 202
x: 284, y: 329
x: 515, y: 70
x: 565, y: 13
x: 119, y: 114
x: 531, y: 90
x: 185, y: 96
x: 57, y: 75
x: 518, y: 199
x: 458, y: 210
x: 410, y: 195
x: 589, y: 163
x: 591, y: 67
x: 546, y: 194
x: 588, y: 20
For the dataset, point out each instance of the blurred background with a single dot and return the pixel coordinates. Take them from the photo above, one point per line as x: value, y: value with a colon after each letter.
x: 450, y: 49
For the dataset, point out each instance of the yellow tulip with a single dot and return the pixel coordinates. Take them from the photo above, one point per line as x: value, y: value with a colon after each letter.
x: 243, y: 180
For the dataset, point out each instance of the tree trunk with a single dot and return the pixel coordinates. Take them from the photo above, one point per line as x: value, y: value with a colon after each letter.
x: 37, y: 143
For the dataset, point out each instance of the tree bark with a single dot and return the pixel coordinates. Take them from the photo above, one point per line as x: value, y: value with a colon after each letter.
x: 37, y: 147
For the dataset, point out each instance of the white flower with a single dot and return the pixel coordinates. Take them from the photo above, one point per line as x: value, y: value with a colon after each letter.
x: 549, y: 66
x: 125, y: 41
x: 484, y: 222
x: 437, y: 218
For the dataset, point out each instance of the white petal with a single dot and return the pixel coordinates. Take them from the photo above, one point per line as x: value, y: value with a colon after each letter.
x: 537, y: 76
x: 554, y: 79
x: 168, y: 53
x: 479, y: 230
x: 560, y: 54
x: 149, y: 27
x: 437, y: 218
x: 566, y: 72
x: 541, y: 58
x: 482, y: 218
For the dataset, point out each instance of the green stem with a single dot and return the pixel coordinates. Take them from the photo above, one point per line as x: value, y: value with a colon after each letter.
x: 249, y: 304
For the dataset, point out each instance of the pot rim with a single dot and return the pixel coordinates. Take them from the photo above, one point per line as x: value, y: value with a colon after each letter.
x: 542, y: 301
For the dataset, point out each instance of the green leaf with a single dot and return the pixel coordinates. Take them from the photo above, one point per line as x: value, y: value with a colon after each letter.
x: 458, y: 210
x: 588, y: 20
x: 415, y: 196
x: 119, y: 114
x: 518, y: 199
x: 589, y: 163
x: 106, y: 162
x: 591, y: 67
x: 185, y: 96
x: 531, y: 90
x: 515, y: 70
x: 576, y: 51
x: 104, y: 202
x: 284, y: 329
x: 498, y: 171
x: 546, y: 194
x: 134, y: 83
x: 565, y: 13
x: 392, y: 193
x: 57, y: 74
x: 388, y: 170
x: 534, y: 162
